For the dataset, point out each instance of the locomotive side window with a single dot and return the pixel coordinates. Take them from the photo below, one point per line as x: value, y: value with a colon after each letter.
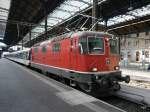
x: 44, y: 49
x: 56, y: 47
x: 83, y: 46
x: 95, y: 45
x: 113, y: 43
x: 35, y: 50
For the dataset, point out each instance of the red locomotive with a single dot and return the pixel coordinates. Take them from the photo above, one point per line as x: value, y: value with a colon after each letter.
x: 87, y: 59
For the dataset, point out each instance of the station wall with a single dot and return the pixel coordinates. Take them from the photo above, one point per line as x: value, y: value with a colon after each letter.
x: 136, y: 47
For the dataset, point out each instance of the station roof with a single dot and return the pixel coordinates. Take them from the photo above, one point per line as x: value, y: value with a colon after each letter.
x: 4, y: 10
x: 24, y: 15
x: 115, y: 11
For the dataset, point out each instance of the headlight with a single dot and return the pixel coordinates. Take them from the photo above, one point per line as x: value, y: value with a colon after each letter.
x: 116, y: 68
x: 94, y: 70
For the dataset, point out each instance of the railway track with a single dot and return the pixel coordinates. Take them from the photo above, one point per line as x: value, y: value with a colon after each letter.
x: 127, y: 101
x: 125, y: 104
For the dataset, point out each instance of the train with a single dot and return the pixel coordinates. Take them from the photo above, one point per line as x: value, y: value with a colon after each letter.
x: 21, y: 56
x: 87, y: 59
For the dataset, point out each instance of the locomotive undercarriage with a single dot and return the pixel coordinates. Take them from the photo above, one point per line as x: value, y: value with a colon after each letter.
x: 90, y: 82
x: 107, y: 82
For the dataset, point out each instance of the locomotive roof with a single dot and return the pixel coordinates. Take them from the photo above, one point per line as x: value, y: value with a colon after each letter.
x: 60, y: 37
x: 93, y: 33
x: 71, y: 34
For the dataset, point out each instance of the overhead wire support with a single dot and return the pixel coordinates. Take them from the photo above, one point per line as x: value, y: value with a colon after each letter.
x: 94, y: 25
x: 73, y: 22
x: 84, y: 22
x: 90, y: 17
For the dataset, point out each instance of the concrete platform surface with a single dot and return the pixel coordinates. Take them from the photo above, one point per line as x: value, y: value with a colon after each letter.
x: 136, y: 74
x: 24, y: 90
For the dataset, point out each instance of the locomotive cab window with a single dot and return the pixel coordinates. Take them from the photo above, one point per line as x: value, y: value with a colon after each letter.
x: 95, y: 45
x: 114, y: 48
x: 91, y: 45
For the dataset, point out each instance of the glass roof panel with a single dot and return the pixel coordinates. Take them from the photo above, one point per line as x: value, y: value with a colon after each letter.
x: 63, y: 12
x: 76, y: 3
x: 60, y: 14
x: 38, y: 29
x: 119, y: 19
x: 52, y: 21
x: 130, y: 15
x: 79, y: 4
x: 4, y: 10
x: 142, y: 11
x: 69, y: 8
x: 5, y: 4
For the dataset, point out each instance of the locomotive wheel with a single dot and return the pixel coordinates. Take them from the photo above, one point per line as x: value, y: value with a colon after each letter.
x: 85, y: 87
x: 65, y: 81
x: 116, y: 87
x: 44, y: 72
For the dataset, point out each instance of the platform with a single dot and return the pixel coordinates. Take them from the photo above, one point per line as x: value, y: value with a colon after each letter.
x: 136, y: 74
x: 24, y: 90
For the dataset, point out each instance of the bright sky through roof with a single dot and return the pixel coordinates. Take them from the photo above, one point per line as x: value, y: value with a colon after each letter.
x: 2, y: 44
x: 4, y: 4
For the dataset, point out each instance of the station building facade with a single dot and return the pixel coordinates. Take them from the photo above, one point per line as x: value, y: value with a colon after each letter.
x: 135, y: 48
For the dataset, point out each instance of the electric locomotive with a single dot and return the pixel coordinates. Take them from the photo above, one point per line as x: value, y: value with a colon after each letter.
x: 86, y: 59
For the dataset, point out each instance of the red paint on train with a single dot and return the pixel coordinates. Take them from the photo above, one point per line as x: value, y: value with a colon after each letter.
x: 69, y: 56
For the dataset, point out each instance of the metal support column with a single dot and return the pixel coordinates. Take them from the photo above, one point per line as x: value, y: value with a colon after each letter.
x: 46, y: 17
x: 106, y: 21
x: 30, y: 38
x: 46, y: 26
x: 119, y: 42
x: 22, y: 44
x: 94, y: 14
x: 44, y: 3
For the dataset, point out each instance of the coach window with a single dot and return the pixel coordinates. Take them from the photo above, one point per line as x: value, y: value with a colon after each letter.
x: 44, y: 49
x: 56, y: 47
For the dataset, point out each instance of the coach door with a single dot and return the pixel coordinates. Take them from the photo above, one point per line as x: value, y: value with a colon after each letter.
x: 73, y: 54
